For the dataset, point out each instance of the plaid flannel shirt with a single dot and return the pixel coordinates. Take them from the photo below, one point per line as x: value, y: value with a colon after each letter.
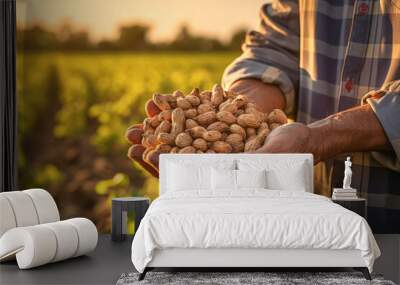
x: 328, y: 56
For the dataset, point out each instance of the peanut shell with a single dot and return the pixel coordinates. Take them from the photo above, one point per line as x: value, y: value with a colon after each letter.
x: 277, y: 116
x: 190, y: 123
x: 256, y: 142
x: 147, y: 128
x: 237, y: 129
x: 240, y: 101
x: 206, y: 118
x: 188, y: 149
x: 193, y: 100
x: 149, y: 140
x: 231, y: 108
x: 225, y: 103
x: 205, y: 107
x: 218, y: 126
x: 183, y: 140
x: 249, y: 120
x: 175, y: 149
x: 164, y: 127
x: 161, y: 102
x: 200, y: 144
x: 221, y: 147
x: 234, y: 139
x: 165, y: 138
x: 190, y: 113
x: 165, y: 115
x: 183, y: 103
x: 178, y: 121
x: 205, y: 97
x: 226, y: 117
x: 197, y: 132
x: 154, y: 121
x: 263, y: 126
x: 211, y: 136
x: 178, y: 94
x: 217, y: 95
x: 163, y: 148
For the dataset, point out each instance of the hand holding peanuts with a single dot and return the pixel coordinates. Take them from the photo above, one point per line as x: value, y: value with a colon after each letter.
x: 294, y: 138
x: 202, y: 122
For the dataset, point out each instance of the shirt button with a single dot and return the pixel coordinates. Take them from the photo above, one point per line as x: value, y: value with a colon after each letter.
x: 348, y: 85
x: 363, y: 9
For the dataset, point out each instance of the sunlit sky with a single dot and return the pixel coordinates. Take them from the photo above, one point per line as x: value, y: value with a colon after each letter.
x: 217, y: 18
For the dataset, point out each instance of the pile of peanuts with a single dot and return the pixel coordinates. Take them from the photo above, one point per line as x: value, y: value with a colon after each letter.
x: 207, y: 122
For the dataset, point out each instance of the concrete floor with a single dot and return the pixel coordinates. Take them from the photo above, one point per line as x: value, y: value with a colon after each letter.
x: 111, y: 259
x: 103, y: 266
x: 388, y: 264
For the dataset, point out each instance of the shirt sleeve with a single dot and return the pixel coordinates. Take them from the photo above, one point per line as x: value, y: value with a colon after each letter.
x: 271, y: 53
x: 386, y: 105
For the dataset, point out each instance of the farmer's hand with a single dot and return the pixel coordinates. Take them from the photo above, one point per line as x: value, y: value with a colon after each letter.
x: 134, y: 135
x: 290, y: 138
x: 354, y: 130
x: 265, y: 96
x: 293, y: 138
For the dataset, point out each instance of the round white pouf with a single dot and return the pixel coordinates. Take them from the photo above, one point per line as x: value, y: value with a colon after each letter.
x: 67, y: 240
x: 26, y: 208
x: 23, y: 208
x: 87, y: 233
x: 45, y: 205
x: 33, y: 246
x: 31, y: 231
x: 40, y: 244
x: 7, y: 219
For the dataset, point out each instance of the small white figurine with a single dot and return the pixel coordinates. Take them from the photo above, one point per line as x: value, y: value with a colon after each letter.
x: 347, y: 174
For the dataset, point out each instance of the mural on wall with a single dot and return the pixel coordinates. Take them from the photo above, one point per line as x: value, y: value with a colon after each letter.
x: 87, y: 69
x: 83, y: 79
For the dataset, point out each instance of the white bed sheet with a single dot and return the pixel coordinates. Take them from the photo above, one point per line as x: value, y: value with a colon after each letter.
x: 251, y: 218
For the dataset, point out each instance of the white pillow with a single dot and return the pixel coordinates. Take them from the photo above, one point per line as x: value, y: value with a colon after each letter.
x: 183, y: 177
x: 280, y: 174
x: 291, y: 179
x: 251, y: 179
x: 191, y: 175
x: 223, y: 179
x: 226, y: 179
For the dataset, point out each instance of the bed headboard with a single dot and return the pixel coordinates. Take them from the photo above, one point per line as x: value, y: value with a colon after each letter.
x: 208, y: 159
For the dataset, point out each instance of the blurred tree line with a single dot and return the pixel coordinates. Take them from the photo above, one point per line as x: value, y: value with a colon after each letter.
x: 68, y: 37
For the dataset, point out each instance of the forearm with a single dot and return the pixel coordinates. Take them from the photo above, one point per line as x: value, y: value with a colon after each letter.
x: 270, y: 56
x: 266, y: 96
x: 353, y: 130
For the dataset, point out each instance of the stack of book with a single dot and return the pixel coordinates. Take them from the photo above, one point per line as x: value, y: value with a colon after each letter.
x: 344, y: 194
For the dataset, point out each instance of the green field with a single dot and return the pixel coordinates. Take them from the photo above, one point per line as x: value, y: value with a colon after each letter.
x: 73, y: 112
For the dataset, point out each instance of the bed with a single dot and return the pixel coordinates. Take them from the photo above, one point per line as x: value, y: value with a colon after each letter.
x: 247, y: 210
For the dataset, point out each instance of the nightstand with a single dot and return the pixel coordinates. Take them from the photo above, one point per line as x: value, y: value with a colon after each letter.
x: 119, y: 214
x: 358, y: 206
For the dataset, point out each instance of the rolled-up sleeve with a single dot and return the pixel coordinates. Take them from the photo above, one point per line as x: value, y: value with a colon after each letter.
x: 271, y: 53
x: 387, y: 110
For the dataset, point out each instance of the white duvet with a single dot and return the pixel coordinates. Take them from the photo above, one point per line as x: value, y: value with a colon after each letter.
x: 252, y: 218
